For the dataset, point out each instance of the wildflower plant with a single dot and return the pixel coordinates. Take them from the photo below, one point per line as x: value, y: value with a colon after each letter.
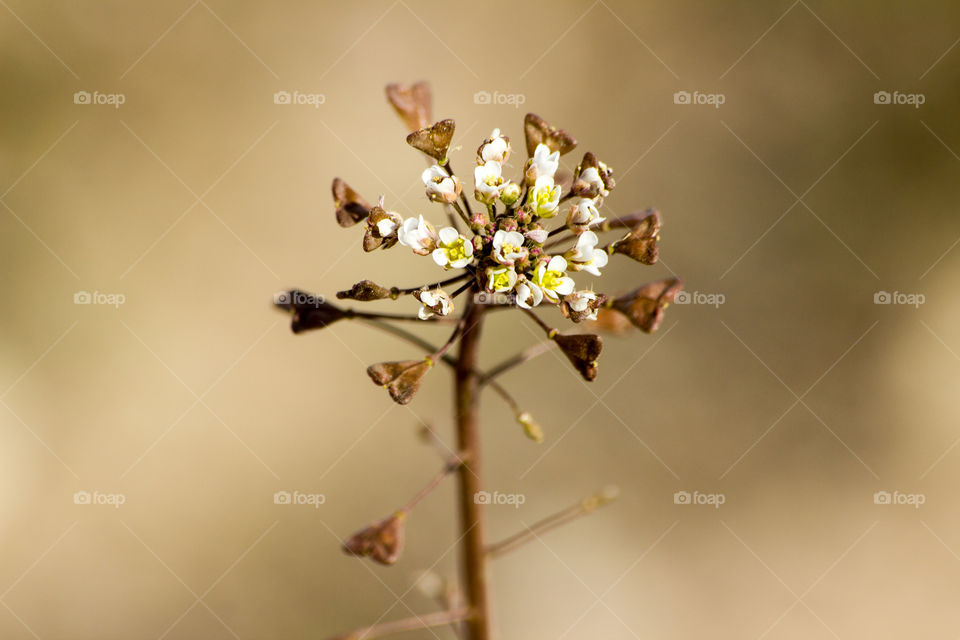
x: 527, y: 243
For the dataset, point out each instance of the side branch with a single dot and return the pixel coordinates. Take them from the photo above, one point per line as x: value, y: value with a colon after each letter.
x: 426, y: 621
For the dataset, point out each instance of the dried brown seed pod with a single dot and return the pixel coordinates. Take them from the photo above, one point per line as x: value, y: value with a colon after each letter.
x: 381, y: 541
x: 645, y: 305
x: 412, y: 103
x: 365, y: 291
x: 309, y: 311
x: 538, y: 131
x: 351, y: 207
x: 401, y: 379
x: 434, y: 140
x: 583, y: 350
x: 641, y: 243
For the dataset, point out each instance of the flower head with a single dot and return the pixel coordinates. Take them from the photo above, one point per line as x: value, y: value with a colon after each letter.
x: 528, y: 295
x: 453, y: 250
x: 433, y: 303
x: 418, y: 234
x: 585, y: 256
x: 488, y: 181
x: 501, y: 279
x: 508, y: 247
x: 496, y: 148
x: 441, y: 186
x: 592, y: 178
x: 544, y: 198
x: 583, y: 214
x: 552, y: 280
x: 581, y: 305
x: 381, y: 229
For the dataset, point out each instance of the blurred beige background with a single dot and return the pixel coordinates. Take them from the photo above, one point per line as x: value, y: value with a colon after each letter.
x: 798, y: 199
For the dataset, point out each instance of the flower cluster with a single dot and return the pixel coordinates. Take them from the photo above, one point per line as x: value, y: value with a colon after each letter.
x: 504, y: 245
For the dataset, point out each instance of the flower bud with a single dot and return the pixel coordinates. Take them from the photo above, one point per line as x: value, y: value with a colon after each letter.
x: 351, y: 207
x: 510, y: 193
x: 412, y: 103
x: 641, y: 243
x: 381, y: 541
x: 530, y: 427
x: 365, y: 291
x: 645, y: 305
x: 582, y: 350
x: 434, y: 140
x: 496, y: 148
x: 401, y: 379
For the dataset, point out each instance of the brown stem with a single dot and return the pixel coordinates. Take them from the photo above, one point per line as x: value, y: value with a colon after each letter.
x: 474, y: 561
x: 426, y: 621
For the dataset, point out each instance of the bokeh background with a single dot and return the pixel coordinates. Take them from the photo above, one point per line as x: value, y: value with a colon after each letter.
x: 797, y: 200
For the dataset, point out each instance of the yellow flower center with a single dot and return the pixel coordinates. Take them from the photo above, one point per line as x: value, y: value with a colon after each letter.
x: 551, y: 279
x: 501, y: 280
x: 508, y: 248
x: 456, y: 250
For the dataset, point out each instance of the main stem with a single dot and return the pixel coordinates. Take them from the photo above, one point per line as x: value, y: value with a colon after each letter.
x: 474, y: 568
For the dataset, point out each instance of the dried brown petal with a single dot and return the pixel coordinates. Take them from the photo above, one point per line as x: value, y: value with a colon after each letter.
x: 401, y: 379
x: 365, y: 291
x: 381, y: 541
x: 309, y: 311
x: 593, y: 305
x: 583, y: 350
x: 645, y: 305
x: 434, y: 140
x: 641, y: 243
x: 412, y: 103
x: 351, y: 207
x: 538, y: 131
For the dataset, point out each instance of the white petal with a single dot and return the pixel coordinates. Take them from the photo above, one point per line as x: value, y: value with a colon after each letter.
x: 424, y: 313
x: 498, y: 238
x: 600, y: 258
x: 440, y: 257
x: 515, y: 238
x: 448, y: 235
x: 557, y: 263
x: 566, y: 286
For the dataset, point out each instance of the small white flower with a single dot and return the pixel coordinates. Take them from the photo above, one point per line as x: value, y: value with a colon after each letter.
x: 544, y: 197
x: 585, y: 256
x: 508, y: 247
x: 528, y: 295
x: 441, y: 186
x: 418, y: 234
x: 501, y: 280
x: 542, y: 164
x: 488, y: 180
x: 496, y: 148
x: 591, y: 176
x: 581, y: 303
x: 453, y: 250
x: 550, y: 277
x: 583, y: 215
x: 433, y: 303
